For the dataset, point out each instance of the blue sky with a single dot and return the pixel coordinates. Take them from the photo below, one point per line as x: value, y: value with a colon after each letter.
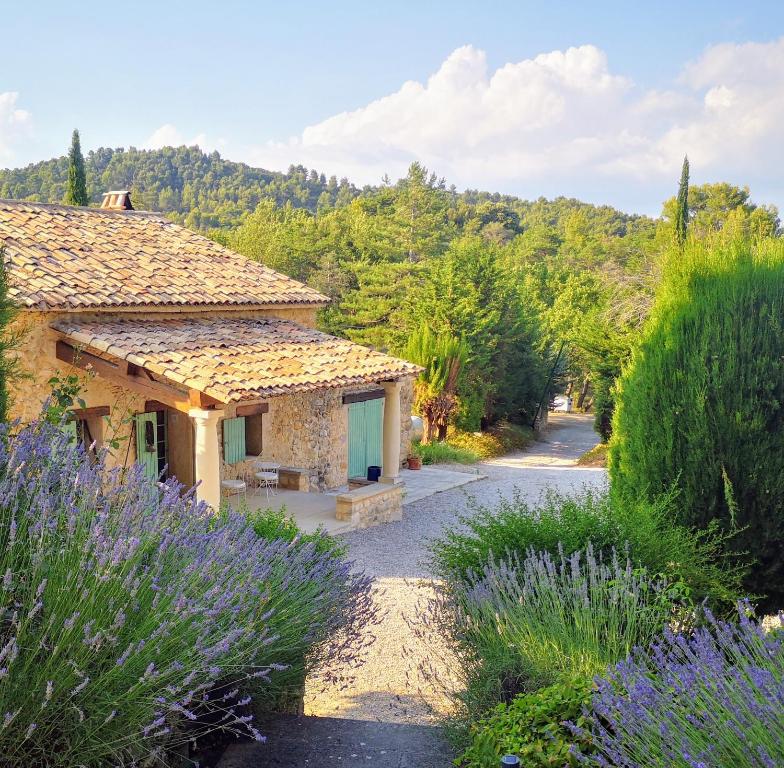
x: 599, y: 100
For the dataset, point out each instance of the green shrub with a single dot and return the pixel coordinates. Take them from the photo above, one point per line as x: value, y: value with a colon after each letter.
x: 701, y: 404
x: 500, y: 439
x: 654, y: 542
x: 275, y: 524
x: 603, y: 406
x: 531, y: 727
x: 438, y: 453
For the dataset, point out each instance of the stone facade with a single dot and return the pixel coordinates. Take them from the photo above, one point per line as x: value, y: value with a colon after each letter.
x: 310, y: 431
x: 370, y: 505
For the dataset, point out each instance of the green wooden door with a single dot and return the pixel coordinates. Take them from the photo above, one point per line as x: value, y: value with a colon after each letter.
x: 365, y: 429
x: 374, y: 428
x: 147, y: 443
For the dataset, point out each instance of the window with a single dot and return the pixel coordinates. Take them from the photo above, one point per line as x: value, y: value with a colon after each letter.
x: 242, y: 437
x: 253, y: 440
x: 86, y: 428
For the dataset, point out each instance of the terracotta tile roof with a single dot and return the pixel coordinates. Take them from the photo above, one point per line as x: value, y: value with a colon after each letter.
x: 67, y: 257
x: 240, y: 359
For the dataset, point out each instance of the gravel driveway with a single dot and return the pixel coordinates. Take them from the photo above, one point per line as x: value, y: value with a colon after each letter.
x: 388, y: 687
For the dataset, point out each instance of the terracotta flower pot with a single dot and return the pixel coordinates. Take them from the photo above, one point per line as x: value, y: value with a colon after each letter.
x: 414, y: 462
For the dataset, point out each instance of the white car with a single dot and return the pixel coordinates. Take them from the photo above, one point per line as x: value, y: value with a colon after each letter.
x: 562, y: 403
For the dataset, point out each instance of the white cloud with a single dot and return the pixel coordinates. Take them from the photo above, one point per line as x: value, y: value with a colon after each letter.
x: 14, y: 124
x: 169, y: 135
x: 561, y: 122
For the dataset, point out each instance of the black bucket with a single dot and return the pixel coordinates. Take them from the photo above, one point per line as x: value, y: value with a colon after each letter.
x: 373, y: 474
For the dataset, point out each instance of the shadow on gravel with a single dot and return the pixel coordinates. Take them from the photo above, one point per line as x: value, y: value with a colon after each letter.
x: 323, y: 742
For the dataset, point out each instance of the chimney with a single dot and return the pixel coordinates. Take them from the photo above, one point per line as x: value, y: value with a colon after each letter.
x: 117, y: 201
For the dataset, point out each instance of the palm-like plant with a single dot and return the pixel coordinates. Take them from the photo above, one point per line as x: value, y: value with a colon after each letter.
x: 441, y: 356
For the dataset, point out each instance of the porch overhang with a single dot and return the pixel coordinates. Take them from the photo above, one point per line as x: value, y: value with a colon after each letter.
x: 210, y: 362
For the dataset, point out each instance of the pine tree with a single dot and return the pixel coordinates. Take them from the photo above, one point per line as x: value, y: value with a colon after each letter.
x: 682, y: 204
x: 76, y: 191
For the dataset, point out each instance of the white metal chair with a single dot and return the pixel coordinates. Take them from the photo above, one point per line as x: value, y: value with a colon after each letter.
x: 235, y: 488
x: 266, y: 476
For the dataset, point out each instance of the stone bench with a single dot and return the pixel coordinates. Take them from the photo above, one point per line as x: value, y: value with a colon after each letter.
x: 294, y: 478
x: 370, y: 505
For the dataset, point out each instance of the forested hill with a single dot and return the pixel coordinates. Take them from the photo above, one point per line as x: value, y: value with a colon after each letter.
x: 201, y: 190
x: 207, y: 192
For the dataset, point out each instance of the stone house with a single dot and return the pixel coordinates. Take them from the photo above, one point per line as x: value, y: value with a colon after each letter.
x: 195, y: 358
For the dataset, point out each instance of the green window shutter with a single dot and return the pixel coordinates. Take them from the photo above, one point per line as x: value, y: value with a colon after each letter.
x: 147, y: 458
x: 234, y: 440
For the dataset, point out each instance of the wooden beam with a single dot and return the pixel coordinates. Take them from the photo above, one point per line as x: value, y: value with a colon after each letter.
x: 252, y: 410
x: 200, y: 400
x: 361, y: 397
x: 90, y: 413
x: 118, y: 373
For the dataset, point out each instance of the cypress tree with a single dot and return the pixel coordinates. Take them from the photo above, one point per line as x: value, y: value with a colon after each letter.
x: 701, y: 406
x: 682, y: 204
x: 76, y: 191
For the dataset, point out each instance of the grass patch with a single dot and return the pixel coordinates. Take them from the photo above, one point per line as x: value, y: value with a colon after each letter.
x: 470, y: 447
x: 596, y: 457
x: 497, y: 441
x: 443, y: 453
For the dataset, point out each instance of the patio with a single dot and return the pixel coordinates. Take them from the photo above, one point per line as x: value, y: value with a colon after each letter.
x: 311, y: 510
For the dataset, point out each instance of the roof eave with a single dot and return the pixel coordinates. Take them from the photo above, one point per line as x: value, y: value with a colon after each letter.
x: 164, y: 308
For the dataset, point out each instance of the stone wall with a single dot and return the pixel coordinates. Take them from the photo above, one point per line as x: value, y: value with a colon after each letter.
x: 371, y: 505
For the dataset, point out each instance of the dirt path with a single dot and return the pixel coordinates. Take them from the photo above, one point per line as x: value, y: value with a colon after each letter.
x: 388, y: 687
x: 387, y: 715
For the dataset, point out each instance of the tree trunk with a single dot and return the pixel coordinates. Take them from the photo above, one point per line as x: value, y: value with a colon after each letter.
x: 429, y: 430
x: 583, y: 393
x: 442, y: 432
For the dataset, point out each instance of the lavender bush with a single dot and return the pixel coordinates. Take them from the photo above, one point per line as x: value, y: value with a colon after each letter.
x: 711, y: 699
x: 127, y: 612
x: 520, y: 624
x: 572, y: 615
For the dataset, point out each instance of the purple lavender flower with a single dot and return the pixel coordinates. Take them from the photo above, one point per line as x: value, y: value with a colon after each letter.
x: 714, y: 697
x: 147, y: 609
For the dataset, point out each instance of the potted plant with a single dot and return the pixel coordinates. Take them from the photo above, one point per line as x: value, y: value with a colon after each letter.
x: 414, y: 462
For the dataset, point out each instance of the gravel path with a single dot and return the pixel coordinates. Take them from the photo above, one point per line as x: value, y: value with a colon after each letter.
x: 388, y: 687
